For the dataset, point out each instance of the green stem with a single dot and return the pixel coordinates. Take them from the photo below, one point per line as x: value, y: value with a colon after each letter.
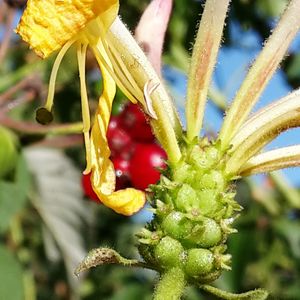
x: 258, y: 294
x: 289, y: 192
x: 171, y: 285
x: 11, y: 78
x: 33, y: 128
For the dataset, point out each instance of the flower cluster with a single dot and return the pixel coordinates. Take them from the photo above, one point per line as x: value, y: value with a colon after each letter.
x: 193, y: 202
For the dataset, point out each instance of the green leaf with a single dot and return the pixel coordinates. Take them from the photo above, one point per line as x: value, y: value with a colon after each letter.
x: 13, y: 195
x: 131, y: 291
x: 290, y: 230
x: 8, y: 151
x: 11, y: 284
x: 293, y: 67
x: 59, y: 201
x: 258, y: 294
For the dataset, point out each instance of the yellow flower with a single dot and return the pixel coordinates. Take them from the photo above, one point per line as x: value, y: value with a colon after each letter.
x: 51, y: 25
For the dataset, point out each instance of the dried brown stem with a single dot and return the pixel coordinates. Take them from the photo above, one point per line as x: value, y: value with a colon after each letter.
x: 3, y: 8
x: 8, y: 33
x: 61, y: 141
x: 7, y: 95
x: 24, y: 98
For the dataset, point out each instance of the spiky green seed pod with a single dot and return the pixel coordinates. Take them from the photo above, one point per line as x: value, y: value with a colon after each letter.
x: 169, y: 253
x: 177, y: 225
x: 199, y: 262
x: 194, y: 208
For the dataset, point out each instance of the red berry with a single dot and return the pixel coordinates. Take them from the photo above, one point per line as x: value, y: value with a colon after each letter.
x: 118, y: 139
x: 122, y: 172
x: 134, y: 121
x: 144, y: 163
x: 87, y: 187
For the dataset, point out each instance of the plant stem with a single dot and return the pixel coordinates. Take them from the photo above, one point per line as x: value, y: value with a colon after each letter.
x: 17, y: 75
x: 32, y: 128
x: 290, y: 193
x: 171, y: 285
x: 8, y: 33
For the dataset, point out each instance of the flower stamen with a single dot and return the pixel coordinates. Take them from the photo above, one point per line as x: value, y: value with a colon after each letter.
x: 101, y: 61
x: 81, y: 55
x: 57, y: 62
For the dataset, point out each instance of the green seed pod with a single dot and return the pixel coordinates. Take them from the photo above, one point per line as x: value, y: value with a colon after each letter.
x: 169, y: 253
x: 198, y: 158
x: 8, y: 151
x: 177, y: 225
x: 186, y: 198
x: 208, y: 202
x: 211, y: 234
x: 212, y: 155
x: 183, y: 173
x: 212, y: 180
x: 199, y: 262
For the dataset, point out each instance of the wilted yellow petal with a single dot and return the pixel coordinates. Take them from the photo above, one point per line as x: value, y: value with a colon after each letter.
x: 126, y: 202
x: 103, y: 174
x: 48, y: 24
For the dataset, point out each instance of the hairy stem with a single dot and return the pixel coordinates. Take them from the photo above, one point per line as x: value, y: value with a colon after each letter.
x: 171, y: 285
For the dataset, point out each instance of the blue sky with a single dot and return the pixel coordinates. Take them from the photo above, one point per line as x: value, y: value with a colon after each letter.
x: 232, y: 65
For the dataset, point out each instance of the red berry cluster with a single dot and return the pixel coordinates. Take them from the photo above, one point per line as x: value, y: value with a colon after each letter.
x: 135, y: 154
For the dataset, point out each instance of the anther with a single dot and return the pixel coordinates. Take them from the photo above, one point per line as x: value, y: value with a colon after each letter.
x: 43, y: 116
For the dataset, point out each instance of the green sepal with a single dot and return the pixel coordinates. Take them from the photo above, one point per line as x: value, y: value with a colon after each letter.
x: 258, y: 294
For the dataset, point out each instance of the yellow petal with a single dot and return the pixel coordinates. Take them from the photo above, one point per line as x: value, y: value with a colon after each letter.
x: 126, y: 202
x: 103, y: 173
x: 48, y: 24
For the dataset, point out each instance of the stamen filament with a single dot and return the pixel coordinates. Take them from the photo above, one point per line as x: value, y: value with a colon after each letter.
x: 81, y: 55
x: 101, y: 61
x: 57, y: 62
x: 129, y: 88
x: 123, y: 71
x: 142, y: 71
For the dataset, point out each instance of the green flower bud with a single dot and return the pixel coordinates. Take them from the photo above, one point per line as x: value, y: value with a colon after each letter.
x: 169, y: 252
x: 199, y: 262
x: 8, y: 151
x: 177, y: 225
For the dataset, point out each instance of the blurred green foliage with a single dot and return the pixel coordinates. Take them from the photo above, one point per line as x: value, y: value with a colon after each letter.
x: 266, y: 250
